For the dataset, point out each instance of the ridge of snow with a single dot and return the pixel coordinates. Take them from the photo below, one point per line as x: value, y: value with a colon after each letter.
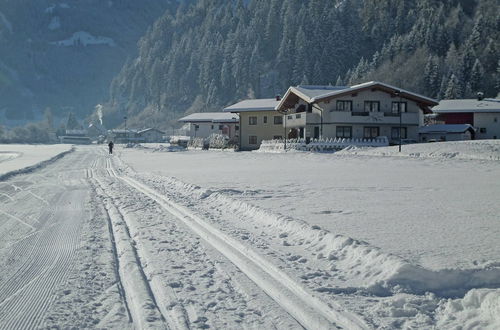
x: 470, y: 150
x: 84, y: 38
x: 373, y: 270
x: 38, y: 162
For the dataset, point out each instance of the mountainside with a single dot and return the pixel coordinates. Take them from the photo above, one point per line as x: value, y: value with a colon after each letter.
x: 216, y: 52
x: 63, y: 54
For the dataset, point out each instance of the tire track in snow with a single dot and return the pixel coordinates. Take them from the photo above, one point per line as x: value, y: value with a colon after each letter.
x: 308, y: 310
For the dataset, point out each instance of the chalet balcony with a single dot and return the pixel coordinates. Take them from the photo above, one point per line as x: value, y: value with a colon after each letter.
x: 360, y: 117
x: 300, y: 119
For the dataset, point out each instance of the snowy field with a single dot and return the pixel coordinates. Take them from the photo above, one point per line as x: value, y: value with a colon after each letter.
x: 147, y: 238
x: 14, y: 157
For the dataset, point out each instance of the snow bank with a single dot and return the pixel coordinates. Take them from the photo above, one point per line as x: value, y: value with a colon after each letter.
x: 84, y: 38
x: 18, y: 159
x: 478, y: 149
x: 479, y: 309
x: 367, y: 267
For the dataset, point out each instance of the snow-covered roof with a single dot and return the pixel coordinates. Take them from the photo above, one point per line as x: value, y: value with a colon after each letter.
x: 445, y: 128
x: 253, y: 105
x: 312, y: 91
x: 313, y: 94
x: 467, y: 105
x: 123, y: 131
x: 213, y: 117
x: 150, y: 129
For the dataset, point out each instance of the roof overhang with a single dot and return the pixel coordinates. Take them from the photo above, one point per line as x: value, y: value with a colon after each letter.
x: 293, y: 95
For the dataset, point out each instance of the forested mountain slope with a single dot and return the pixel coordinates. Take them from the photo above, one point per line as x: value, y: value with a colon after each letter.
x: 63, y: 54
x: 216, y: 52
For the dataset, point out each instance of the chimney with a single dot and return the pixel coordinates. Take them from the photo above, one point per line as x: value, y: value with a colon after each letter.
x: 480, y: 96
x: 278, y: 97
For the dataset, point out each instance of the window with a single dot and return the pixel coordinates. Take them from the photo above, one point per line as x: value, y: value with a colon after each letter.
x: 196, y: 127
x: 344, y: 105
x: 396, y: 106
x: 278, y: 120
x: 277, y: 137
x: 221, y: 127
x: 265, y: 119
x: 289, y: 117
x: 252, y: 120
x: 252, y: 139
x: 236, y: 128
x: 370, y: 132
x: 344, y: 131
x: 482, y: 130
x: 372, y: 106
x: 212, y: 127
x: 395, y: 133
x: 298, y: 116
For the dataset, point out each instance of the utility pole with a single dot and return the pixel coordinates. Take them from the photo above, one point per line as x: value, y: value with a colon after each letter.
x: 126, y: 132
x: 398, y: 93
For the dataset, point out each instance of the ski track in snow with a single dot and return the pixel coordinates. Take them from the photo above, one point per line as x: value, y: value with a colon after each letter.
x: 311, y: 312
x: 179, y: 256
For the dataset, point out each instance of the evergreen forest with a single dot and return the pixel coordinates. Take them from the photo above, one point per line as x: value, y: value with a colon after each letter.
x: 213, y: 53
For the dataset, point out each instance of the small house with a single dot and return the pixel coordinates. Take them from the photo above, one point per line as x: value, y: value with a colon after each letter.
x: 446, y: 132
x: 204, y: 124
x: 481, y: 113
x: 151, y: 135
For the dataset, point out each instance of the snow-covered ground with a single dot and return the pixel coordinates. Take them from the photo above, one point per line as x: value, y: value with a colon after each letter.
x: 14, y: 157
x: 149, y: 238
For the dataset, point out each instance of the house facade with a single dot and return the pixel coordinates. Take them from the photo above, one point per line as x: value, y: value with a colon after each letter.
x: 124, y: 136
x: 151, y: 135
x: 482, y: 113
x: 363, y: 111
x: 258, y: 121
x: 204, y: 124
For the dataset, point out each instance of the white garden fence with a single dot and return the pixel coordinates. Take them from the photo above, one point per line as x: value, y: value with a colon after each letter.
x: 321, y: 145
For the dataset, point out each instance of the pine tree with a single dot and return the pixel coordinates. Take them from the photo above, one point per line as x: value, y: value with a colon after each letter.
x: 477, y: 76
x: 453, y: 89
x: 72, y: 123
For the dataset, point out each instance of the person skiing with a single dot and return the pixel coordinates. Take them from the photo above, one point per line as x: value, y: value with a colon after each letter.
x: 111, y: 145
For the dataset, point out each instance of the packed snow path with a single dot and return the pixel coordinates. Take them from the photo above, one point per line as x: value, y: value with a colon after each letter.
x: 167, y: 267
x: 40, y: 232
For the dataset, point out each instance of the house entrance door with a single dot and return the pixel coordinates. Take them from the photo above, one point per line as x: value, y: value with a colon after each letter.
x: 316, y: 132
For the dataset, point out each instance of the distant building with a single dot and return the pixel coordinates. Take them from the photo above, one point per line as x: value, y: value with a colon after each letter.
x: 75, y: 136
x: 124, y: 136
x: 482, y: 113
x: 203, y: 124
x: 258, y: 121
x: 446, y: 132
x: 151, y: 135
x: 363, y: 111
